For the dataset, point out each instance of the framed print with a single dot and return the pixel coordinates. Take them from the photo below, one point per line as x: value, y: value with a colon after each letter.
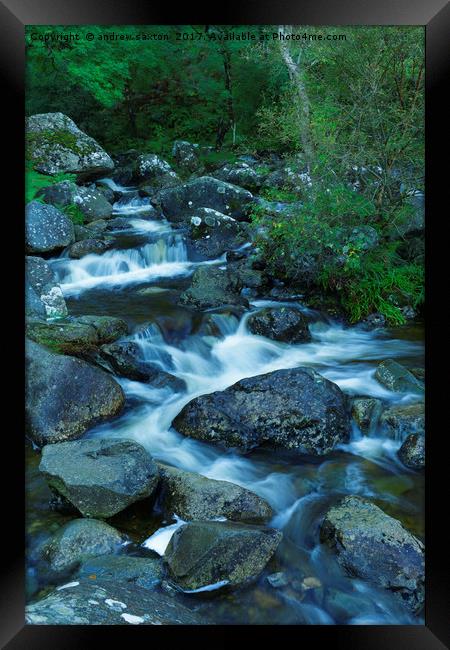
x: 230, y: 305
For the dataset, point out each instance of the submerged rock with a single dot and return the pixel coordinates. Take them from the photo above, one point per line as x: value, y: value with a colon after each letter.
x: 375, y: 547
x: 194, y: 497
x: 100, y: 477
x: 78, y: 540
x: 294, y: 409
x: 56, y: 145
x: 204, y: 553
x: 43, y: 295
x: 213, y: 286
x: 66, y: 396
x: 146, y: 572
x: 397, y: 378
x: 412, y: 451
x: 108, y: 602
x: 180, y: 203
x: 47, y: 230
x: 286, y: 324
x: 400, y: 420
x: 366, y: 412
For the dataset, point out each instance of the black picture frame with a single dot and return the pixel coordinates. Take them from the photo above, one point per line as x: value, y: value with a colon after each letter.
x: 435, y: 16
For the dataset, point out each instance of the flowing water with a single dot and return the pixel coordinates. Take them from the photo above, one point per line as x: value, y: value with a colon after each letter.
x: 140, y: 280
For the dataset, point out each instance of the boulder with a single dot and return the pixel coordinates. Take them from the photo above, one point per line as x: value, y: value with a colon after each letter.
x: 294, y: 409
x: 56, y: 145
x: 366, y: 412
x: 180, y: 203
x: 361, y: 238
x: 191, y: 496
x: 241, y: 174
x: 89, y: 247
x: 43, y: 295
x: 99, y: 477
x: 213, y: 286
x: 108, y: 328
x: 212, y: 233
x: 65, y: 337
x: 203, y: 553
x: 285, y: 178
x: 375, y: 547
x: 78, y: 540
x: 412, y: 451
x: 397, y: 378
x: 145, y: 572
x: 47, y: 230
x: 66, y: 396
x: 150, y: 169
x: 401, y: 420
x: 185, y: 155
x: 108, y: 602
x: 90, y: 200
x: 285, y: 324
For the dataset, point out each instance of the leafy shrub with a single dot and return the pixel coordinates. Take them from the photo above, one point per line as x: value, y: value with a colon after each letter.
x: 34, y: 181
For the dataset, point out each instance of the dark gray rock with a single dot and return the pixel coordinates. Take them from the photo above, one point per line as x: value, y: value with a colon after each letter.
x: 401, y: 420
x: 65, y: 337
x: 150, y: 169
x: 180, y: 203
x: 47, y: 230
x: 90, y: 200
x: 89, y: 246
x: 43, y: 297
x: 66, y: 396
x: 285, y: 324
x: 294, y: 409
x: 397, y: 378
x: 100, y: 477
x: 212, y: 233
x: 366, y: 412
x: 186, y: 155
x: 204, y: 553
x: 56, y: 144
x: 241, y: 174
x: 213, y: 286
x: 108, y: 328
x: 412, y: 451
x: 193, y: 497
x: 145, y: 572
x: 78, y: 540
x: 108, y: 602
x: 375, y: 547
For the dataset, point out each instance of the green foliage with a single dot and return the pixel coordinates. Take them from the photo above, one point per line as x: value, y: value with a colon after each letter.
x: 74, y: 213
x: 274, y: 194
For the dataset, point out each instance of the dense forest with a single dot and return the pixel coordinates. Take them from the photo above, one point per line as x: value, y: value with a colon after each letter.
x: 348, y: 112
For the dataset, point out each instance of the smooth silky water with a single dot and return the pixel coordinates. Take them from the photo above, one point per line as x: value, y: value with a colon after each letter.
x: 212, y: 351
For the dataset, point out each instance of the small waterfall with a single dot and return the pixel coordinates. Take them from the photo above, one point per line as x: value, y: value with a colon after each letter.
x: 131, y: 203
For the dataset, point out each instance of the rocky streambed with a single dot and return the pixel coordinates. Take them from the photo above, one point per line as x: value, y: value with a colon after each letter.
x: 204, y: 448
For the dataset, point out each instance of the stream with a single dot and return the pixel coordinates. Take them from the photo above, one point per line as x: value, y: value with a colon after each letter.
x: 140, y: 280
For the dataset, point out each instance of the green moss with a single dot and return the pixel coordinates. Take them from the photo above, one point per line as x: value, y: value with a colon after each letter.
x: 60, y: 137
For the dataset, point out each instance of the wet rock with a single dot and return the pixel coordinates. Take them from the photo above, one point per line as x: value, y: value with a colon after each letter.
x: 144, y: 572
x: 43, y: 295
x: 401, y: 420
x: 56, y: 145
x: 241, y: 174
x: 294, y: 409
x: 396, y: 377
x: 108, y: 602
x: 213, y: 286
x: 78, y: 540
x: 212, y: 233
x: 88, y: 247
x: 375, y: 547
x: 47, y: 230
x: 153, y: 170
x: 65, y: 337
x: 100, y: 477
x: 180, y: 203
x: 204, y: 553
x: 285, y: 324
x: 108, y: 328
x: 412, y: 451
x: 186, y: 156
x: 366, y: 412
x: 419, y: 373
x: 194, y: 497
x: 372, y: 321
x: 66, y: 396
x: 278, y: 580
x: 90, y: 200
x: 343, y: 606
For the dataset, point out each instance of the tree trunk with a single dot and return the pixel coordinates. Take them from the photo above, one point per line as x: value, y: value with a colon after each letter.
x: 297, y: 77
x: 228, y: 121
